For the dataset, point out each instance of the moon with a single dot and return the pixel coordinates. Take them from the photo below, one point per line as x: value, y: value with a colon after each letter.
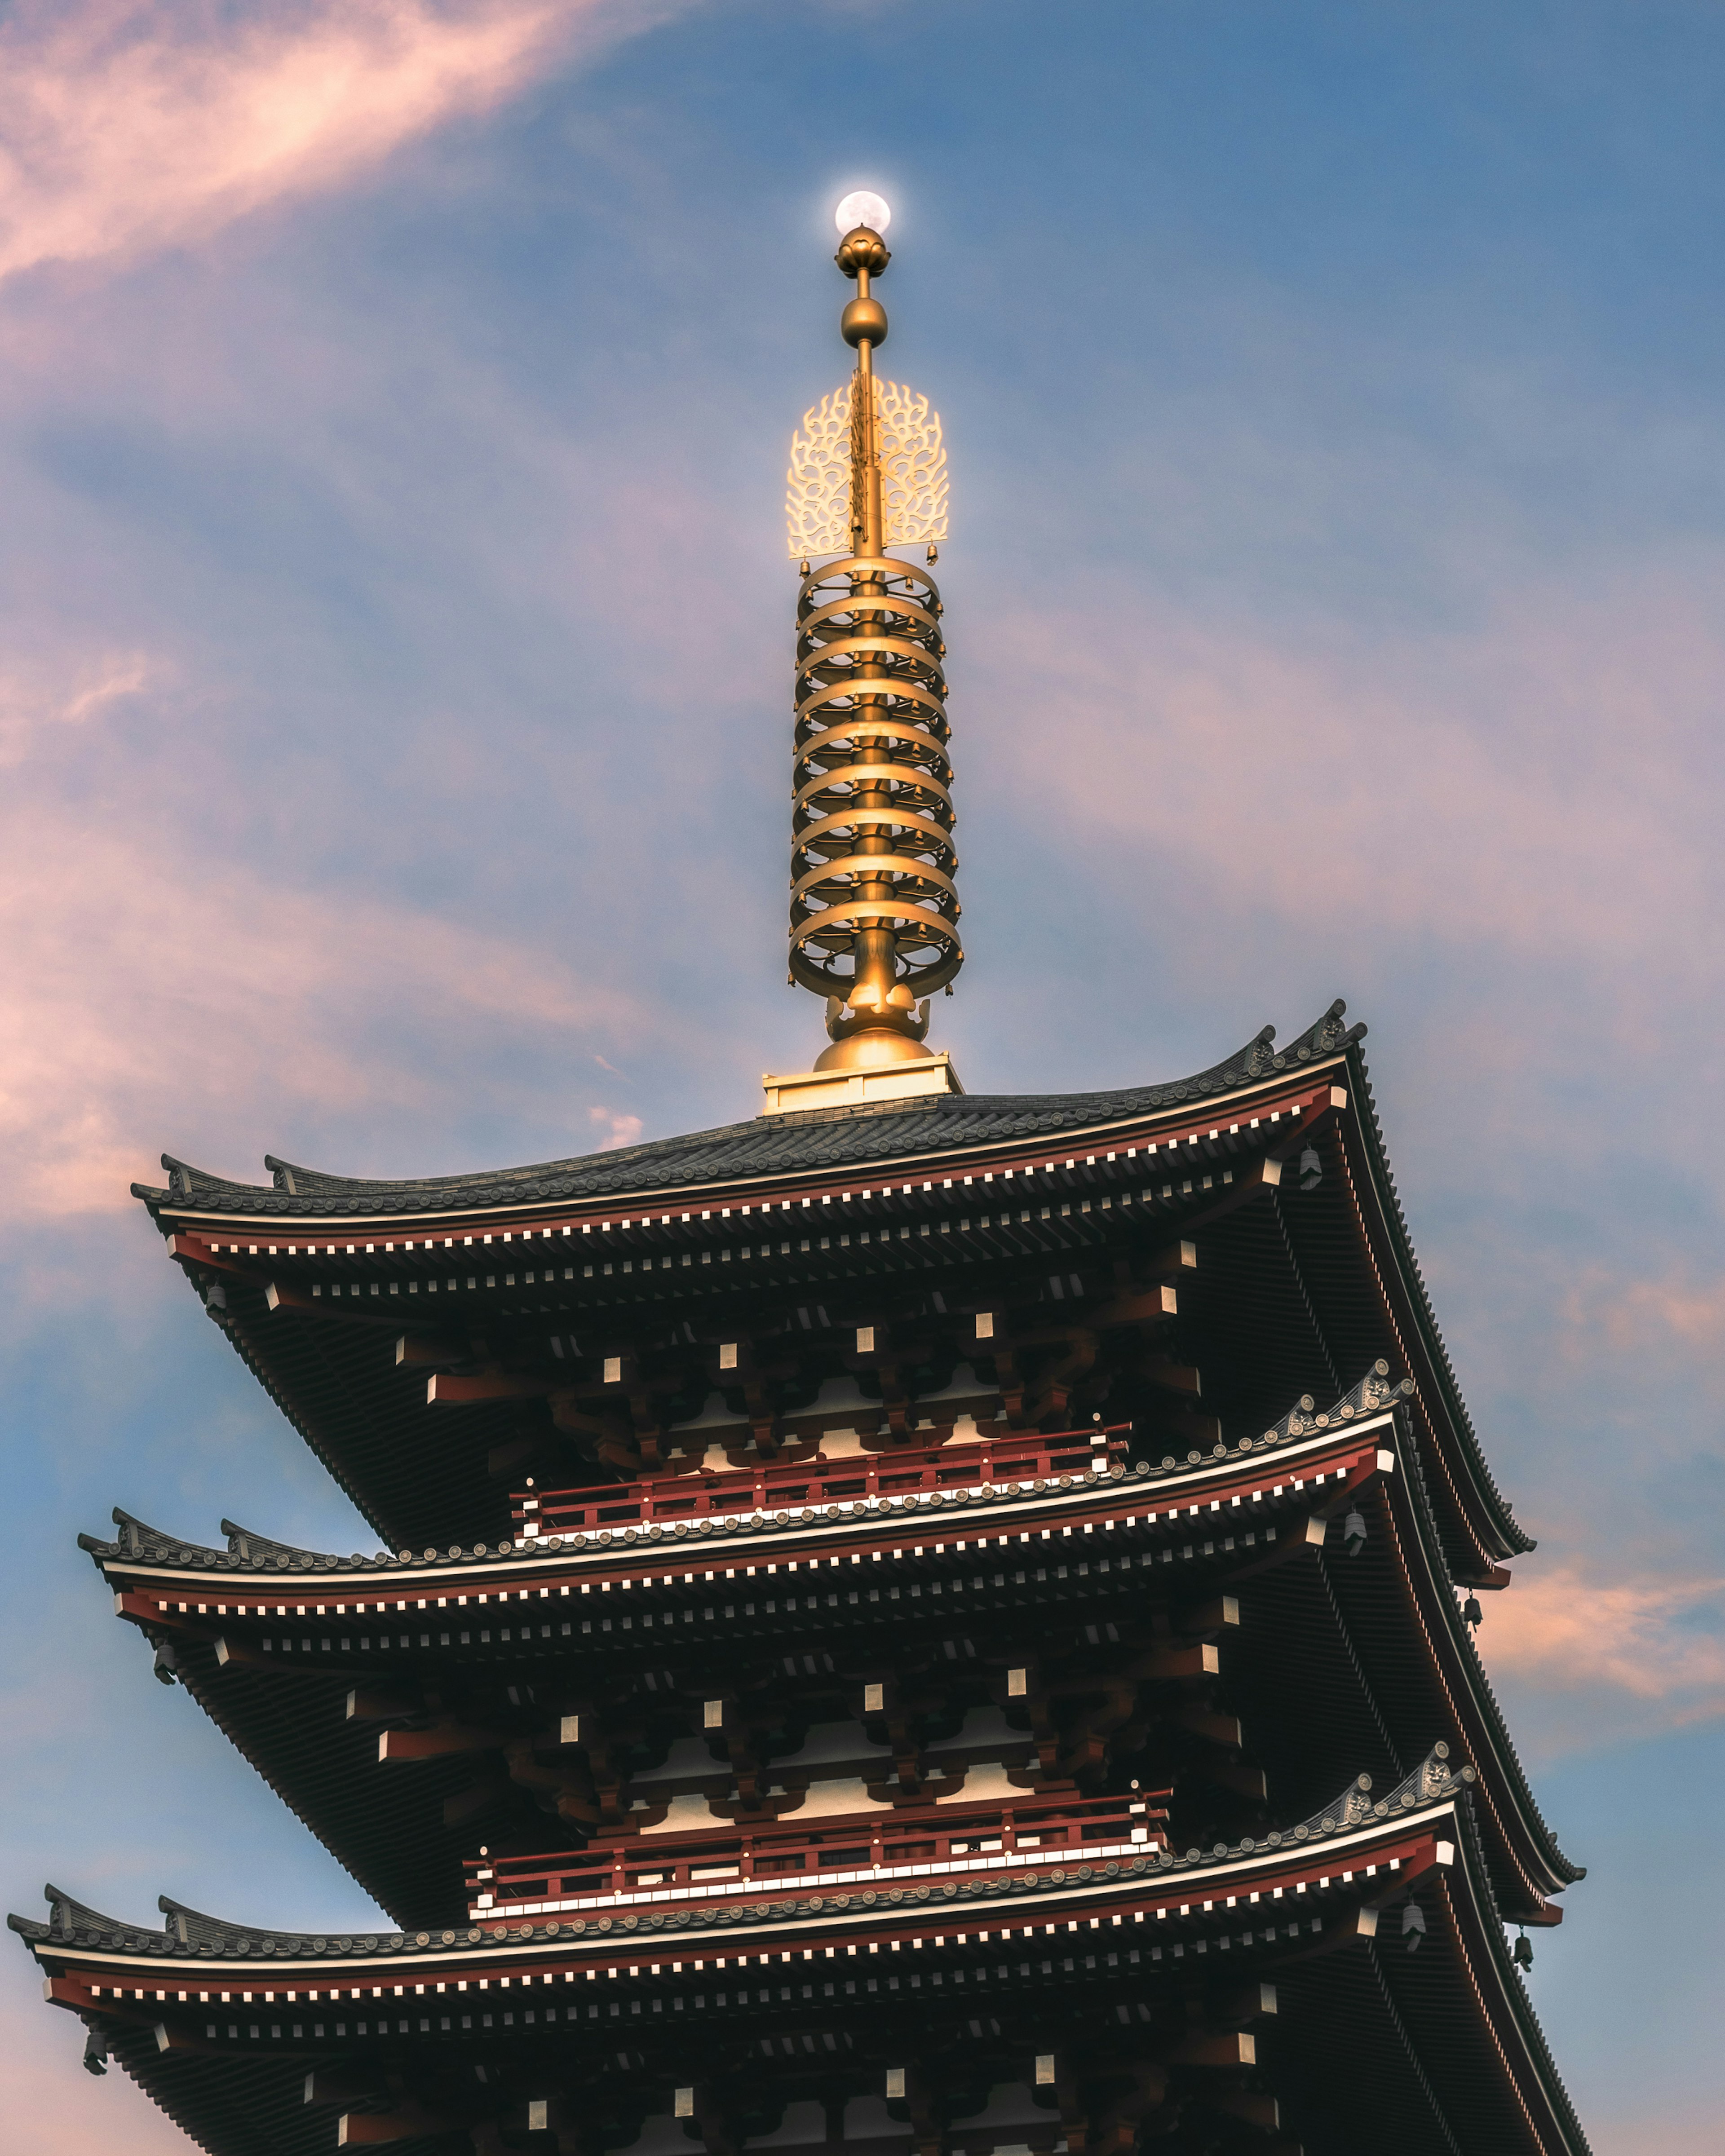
x: 863, y: 208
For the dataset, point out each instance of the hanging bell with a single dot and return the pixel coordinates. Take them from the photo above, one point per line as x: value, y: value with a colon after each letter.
x: 1413, y: 1926
x: 1353, y: 1532
x: 1311, y: 1169
x: 1521, y: 1953
x: 1471, y: 1612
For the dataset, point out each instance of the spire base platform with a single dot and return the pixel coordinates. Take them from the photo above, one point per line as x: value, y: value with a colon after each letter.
x: 853, y: 1085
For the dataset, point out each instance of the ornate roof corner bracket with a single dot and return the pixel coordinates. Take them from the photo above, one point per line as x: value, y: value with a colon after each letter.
x: 1433, y: 1781
x: 1374, y: 1392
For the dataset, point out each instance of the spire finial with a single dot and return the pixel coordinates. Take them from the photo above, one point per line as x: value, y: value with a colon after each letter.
x: 873, y: 906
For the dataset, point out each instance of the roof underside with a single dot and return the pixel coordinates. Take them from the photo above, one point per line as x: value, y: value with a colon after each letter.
x: 1281, y: 1303
x: 1306, y: 1286
x: 1335, y: 1672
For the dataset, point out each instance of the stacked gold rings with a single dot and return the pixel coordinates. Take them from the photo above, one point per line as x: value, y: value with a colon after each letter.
x: 871, y: 832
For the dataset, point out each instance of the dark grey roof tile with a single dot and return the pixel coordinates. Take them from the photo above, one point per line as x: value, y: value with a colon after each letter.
x: 803, y: 1140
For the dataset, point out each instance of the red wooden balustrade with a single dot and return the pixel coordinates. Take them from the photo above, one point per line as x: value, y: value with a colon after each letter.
x: 905, y: 1470
x: 864, y: 1850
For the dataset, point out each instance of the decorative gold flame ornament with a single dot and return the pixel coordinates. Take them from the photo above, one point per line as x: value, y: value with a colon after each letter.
x: 821, y: 497
x: 873, y: 906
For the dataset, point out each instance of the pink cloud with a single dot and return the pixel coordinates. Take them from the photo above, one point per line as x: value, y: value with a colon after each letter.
x: 156, y: 994
x: 33, y: 701
x: 130, y: 124
x: 1639, y: 1316
x: 1660, y: 2125
x: 1539, y: 782
x: 154, y: 988
x: 48, y: 2104
x: 1597, y: 1660
x: 623, y: 1130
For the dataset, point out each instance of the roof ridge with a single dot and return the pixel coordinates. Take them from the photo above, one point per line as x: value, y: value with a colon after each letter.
x: 1373, y: 1392
x: 927, y: 1122
x: 217, y: 1936
x: 191, y: 1929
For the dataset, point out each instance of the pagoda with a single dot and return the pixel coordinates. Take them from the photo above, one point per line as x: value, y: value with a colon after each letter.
x: 920, y: 1624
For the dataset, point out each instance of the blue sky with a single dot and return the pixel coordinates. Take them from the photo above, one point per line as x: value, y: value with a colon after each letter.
x: 393, y: 408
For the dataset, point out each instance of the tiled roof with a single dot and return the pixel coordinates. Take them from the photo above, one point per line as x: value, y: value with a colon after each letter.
x: 1374, y: 1392
x: 72, y: 1924
x: 766, y: 1145
x: 251, y: 1552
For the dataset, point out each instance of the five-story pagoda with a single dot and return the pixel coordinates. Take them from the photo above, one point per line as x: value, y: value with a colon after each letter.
x: 921, y: 1622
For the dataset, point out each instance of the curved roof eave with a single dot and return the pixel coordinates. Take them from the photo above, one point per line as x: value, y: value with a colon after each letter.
x: 1490, y: 1986
x: 1493, y: 1506
x: 1512, y: 1776
x: 1477, y: 1872
x: 1539, y: 1860
x: 765, y: 1145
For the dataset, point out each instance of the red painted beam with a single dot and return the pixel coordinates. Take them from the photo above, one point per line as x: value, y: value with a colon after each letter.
x: 366, y: 2129
x: 393, y: 1744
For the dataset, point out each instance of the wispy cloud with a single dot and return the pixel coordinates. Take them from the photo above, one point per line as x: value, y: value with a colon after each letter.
x: 1667, y: 2129
x: 133, y: 124
x: 49, y: 2104
x: 31, y: 702
x: 1596, y: 1660
x: 154, y: 986
x: 1637, y: 1316
x: 1538, y: 782
x: 621, y: 1130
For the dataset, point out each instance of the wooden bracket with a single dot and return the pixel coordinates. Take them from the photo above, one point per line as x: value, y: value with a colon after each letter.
x: 366, y: 2129
x: 446, y: 1388
x: 395, y: 1744
x: 1218, y: 2047
x: 191, y: 1250
x: 237, y: 1655
x: 287, y: 1301
x: 1321, y: 1108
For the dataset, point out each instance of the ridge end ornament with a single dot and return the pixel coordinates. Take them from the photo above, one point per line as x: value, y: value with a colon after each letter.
x: 874, y: 907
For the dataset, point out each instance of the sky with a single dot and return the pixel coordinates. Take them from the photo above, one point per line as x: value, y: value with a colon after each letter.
x: 394, y: 403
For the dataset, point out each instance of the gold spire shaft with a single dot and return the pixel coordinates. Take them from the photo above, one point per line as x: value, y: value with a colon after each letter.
x: 876, y: 969
x: 874, y: 906
x: 867, y: 519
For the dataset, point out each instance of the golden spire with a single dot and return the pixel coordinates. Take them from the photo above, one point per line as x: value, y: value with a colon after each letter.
x: 874, y: 906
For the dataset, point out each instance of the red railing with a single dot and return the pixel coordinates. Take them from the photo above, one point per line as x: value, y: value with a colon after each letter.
x: 872, y: 1848
x: 772, y: 1486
